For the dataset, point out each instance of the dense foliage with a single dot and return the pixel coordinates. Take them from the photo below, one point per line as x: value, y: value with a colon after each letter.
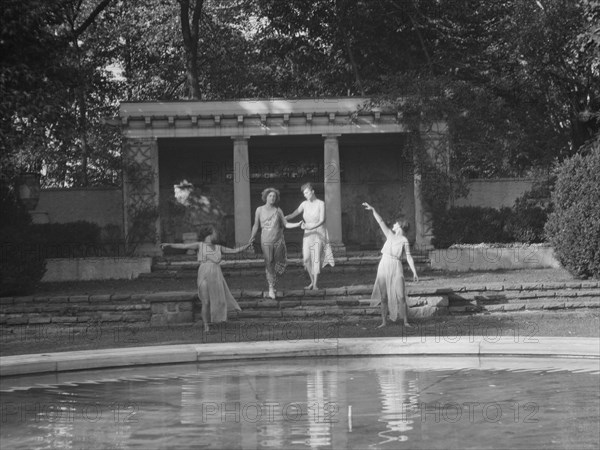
x: 21, y: 266
x: 518, y: 82
x: 67, y: 240
x: 523, y: 223
x: 573, y: 227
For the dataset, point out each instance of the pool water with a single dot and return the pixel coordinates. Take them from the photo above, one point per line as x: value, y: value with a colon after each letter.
x: 361, y: 403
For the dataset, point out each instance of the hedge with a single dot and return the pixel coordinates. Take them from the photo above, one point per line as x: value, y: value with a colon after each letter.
x: 573, y: 228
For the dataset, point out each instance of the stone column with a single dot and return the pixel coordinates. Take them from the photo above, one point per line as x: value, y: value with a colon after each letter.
x: 333, y: 193
x: 241, y: 191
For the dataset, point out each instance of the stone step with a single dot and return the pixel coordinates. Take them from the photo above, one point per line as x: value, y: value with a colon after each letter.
x: 188, y: 269
x: 346, y: 301
x: 259, y: 263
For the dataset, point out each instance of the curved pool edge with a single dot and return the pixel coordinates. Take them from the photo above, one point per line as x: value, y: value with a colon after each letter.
x: 479, y: 346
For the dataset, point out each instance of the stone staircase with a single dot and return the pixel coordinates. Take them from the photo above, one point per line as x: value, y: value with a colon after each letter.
x: 346, y: 303
x: 186, y: 266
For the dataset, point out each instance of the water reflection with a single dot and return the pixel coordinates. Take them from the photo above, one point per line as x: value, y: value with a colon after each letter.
x: 398, y: 404
x: 337, y: 403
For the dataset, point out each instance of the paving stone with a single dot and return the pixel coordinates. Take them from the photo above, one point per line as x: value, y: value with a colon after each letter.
x: 6, y: 300
x: 524, y: 295
x: 286, y: 304
x: 73, y: 299
x: 531, y: 306
x: 34, y: 320
x: 582, y: 304
x: 513, y: 287
x: 359, y: 289
x: 17, y: 320
x: 589, y: 293
x: 553, y: 285
x: 293, y: 293
x: 560, y: 305
x: 57, y: 299
x: 100, y: 298
x: 319, y: 293
x: 341, y: 291
x: 355, y: 311
x: 267, y: 303
x: 438, y: 301
x: 347, y: 302
x: 494, y: 308
x: 317, y: 303
x: 64, y: 319
x: 251, y: 294
x: 514, y: 307
x: 532, y: 286
x: 119, y: 297
x: 414, y: 302
x: 294, y: 313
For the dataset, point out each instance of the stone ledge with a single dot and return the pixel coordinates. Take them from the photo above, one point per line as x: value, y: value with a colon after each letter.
x: 586, y: 348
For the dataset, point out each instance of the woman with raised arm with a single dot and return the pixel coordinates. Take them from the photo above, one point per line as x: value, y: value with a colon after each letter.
x: 271, y: 221
x: 389, y: 288
x: 213, y: 291
x: 316, y: 251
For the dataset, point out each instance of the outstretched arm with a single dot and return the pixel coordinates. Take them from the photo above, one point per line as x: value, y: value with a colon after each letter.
x: 299, y: 210
x: 190, y: 246
x: 378, y: 218
x: 236, y: 249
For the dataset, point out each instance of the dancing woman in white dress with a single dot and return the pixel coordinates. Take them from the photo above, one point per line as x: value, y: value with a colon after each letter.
x: 213, y: 291
x: 316, y: 250
x: 389, y: 288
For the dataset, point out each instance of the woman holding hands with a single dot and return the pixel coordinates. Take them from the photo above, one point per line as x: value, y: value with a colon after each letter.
x: 213, y: 291
x: 316, y: 251
x: 270, y: 219
x: 390, y: 288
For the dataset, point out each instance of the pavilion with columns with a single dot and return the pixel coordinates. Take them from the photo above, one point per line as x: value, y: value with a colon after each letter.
x: 232, y: 150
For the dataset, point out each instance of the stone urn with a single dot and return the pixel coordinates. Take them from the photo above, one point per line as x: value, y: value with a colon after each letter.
x: 29, y: 187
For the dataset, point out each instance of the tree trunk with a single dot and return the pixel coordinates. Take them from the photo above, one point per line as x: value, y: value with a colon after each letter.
x: 189, y: 30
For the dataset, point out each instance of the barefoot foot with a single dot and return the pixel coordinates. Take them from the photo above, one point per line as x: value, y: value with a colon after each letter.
x: 309, y: 287
x: 272, y: 293
x: 382, y: 325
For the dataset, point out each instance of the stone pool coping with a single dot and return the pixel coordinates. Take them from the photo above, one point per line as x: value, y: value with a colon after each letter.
x: 480, y: 346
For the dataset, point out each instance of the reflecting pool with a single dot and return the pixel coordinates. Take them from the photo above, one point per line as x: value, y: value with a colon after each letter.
x: 362, y: 403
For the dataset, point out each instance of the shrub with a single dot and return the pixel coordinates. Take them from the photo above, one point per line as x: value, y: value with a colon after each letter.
x: 573, y: 228
x: 65, y: 240
x: 470, y: 225
x: 21, y: 266
x: 530, y: 214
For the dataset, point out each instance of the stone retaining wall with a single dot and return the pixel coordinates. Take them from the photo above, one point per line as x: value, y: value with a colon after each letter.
x: 352, y: 302
x: 105, y: 268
